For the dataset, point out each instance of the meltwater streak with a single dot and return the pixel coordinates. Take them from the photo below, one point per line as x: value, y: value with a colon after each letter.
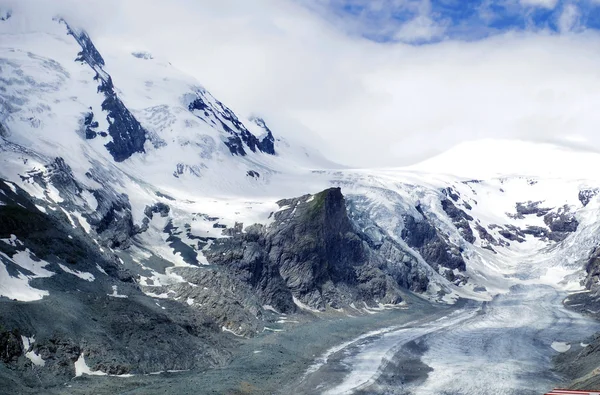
x: 503, y: 347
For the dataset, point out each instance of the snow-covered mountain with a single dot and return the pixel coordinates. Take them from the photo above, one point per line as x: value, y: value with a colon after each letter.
x: 127, y: 189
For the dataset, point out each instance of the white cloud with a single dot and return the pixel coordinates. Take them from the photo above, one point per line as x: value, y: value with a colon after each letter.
x: 370, y: 103
x: 422, y: 27
x: 569, y: 18
x: 550, y: 4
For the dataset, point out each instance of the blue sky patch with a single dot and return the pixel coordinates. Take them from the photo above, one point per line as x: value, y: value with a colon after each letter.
x: 426, y: 21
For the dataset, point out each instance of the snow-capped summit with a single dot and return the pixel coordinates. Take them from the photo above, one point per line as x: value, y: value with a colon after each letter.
x: 495, y: 157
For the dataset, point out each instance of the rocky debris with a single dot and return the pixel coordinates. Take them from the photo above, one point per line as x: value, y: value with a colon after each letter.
x: 111, y: 218
x: 586, y: 195
x: 228, y: 300
x: 460, y: 219
x: 560, y: 223
x: 128, y: 135
x: 253, y: 174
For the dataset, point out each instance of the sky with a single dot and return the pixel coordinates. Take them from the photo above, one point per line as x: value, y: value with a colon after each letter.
x: 375, y: 82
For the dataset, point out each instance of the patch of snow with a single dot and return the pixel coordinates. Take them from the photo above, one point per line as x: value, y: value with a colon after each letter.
x: 90, y: 199
x: 18, y: 287
x: 35, y: 358
x: 225, y: 329
x: 270, y: 308
x: 11, y: 186
x: 115, y: 293
x: 190, y: 301
x: 99, y: 268
x: 82, y: 368
x: 561, y: 347
x: 164, y: 295
x: 303, y: 306
x: 53, y: 194
x: 82, y: 275
x: 30, y: 354
x: 272, y: 329
x: 82, y: 221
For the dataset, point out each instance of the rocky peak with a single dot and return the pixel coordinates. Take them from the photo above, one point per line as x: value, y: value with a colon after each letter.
x: 128, y: 135
x: 210, y: 110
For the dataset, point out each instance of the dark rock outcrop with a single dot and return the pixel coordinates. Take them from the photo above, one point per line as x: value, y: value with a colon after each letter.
x: 432, y: 246
x: 128, y: 135
x: 592, y: 269
x: 311, y: 253
x: 528, y: 208
x: 267, y: 144
x: 215, y: 113
x: 561, y: 221
x: 5, y: 15
x: 157, y: 208
x: 460, y: 219
x: 512, y: 233
x: 586, y: 195
x: 11, y: 345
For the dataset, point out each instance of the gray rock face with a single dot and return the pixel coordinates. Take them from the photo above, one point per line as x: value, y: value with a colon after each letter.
x: 128, y: 135
x: 460, y: 219
x: 312, y: 253
x: 592, y: 269
x: 528, y: 208
x: 432, y: 246
x: 210, y: 110
x: 586, y: 195
x: 11, y: 345
x: 561, y: 223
